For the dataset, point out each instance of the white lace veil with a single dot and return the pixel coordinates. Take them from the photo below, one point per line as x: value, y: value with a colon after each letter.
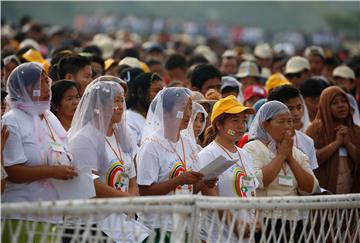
x: 24, y: 89
x: 166, y: 112
x: 94, y: 112
x: 267, y: 111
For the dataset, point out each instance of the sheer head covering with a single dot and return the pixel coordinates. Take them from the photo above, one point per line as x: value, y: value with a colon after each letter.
x: 24, y: 86
x: 322, y: 131
x: 94, y: 113
x: 167, y: 112
x: 196, y: 109
x: 267, y: 111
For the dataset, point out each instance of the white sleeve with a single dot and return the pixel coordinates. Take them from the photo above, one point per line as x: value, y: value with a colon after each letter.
x: 84, y: 153
x: 132, y: 170
x: 257, y: 161
x: 302, y: 159
x: 148, y: 165
x: 312, y: 156
x: 14, y: 153
x: 250, y: 167
x: 3, y: 173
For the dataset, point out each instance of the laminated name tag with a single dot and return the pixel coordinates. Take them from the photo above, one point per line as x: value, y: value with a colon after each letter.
x: 247, y: 181
x: 57, y: 147
x: 342, y: 152
x: 286, y: 180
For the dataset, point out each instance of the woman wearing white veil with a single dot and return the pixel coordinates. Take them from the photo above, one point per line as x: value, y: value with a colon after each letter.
x: 36, y: 150
x: 99, y: 138
x: 167, y: 159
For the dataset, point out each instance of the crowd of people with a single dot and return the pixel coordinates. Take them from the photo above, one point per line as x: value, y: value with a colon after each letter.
x: 144, y: 119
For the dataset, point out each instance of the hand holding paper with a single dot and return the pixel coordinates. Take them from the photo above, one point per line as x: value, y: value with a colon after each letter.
x: 216, y: 167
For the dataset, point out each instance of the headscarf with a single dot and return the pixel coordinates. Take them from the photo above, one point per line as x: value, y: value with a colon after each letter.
x: 267, y: 111
x: 322, y: 131
x: 24, y: 89
x: 94, y: 112
x: 196, y: 109
x: 169, y: 100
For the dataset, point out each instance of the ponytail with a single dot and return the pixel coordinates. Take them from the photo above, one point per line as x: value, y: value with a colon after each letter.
x: 212, y: 131
x: 210, y: 135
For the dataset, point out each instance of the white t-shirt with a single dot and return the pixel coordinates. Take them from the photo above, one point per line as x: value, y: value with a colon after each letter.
x: 306, y: 145
x: 157, y: 162
x: 113, y: 172
x: 87, y: 147
x: 136, y: 123
x: 29, y: 145
x: 231, y: 183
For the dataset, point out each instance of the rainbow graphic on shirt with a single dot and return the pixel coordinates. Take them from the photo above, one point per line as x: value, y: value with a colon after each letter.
x: 113, y: 176
x: 238, y: 172
x: 176, y: 170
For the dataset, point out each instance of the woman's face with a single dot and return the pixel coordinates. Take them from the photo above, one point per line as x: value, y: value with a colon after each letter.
x: 279, y: 125
x: 155, y: 87
x: 234, y: 127
x: 186, y: 113
x: 68, y: 103
x: 198, y: 123
x: 118, y: 108
x: 339, y: 107
x: 41, y: 91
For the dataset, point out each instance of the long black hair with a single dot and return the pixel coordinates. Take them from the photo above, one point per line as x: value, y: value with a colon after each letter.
x: 139, y: 87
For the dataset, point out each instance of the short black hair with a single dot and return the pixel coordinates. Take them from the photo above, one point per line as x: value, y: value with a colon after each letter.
x: 71, y: 64
x: 284, y: 93
x: 176, y: 60
x: 153, y: 62
x: 58, y: 90
x: 202, y: 73
x: 98, y: 59
x: 313, y: 87
x: 197, y: 59
x: 93, y: 49
x: 229, y: 89
x: 131, y: 52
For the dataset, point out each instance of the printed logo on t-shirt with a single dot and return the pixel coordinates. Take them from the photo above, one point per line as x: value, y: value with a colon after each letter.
x: 176, y: 170
x: 239, y: 190
x: 117, y: 177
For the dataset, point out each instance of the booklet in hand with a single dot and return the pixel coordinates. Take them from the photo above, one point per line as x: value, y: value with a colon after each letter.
x: 216, y: 167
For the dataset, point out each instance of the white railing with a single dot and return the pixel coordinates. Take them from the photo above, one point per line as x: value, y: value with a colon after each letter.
x: 334, y: 218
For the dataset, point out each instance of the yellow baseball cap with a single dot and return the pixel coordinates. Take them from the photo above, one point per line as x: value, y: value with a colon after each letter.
x: 229, y: 105
x: 33, y: 55
x: 276, y: 80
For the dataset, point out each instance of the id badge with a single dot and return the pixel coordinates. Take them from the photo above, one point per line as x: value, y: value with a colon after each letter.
x: 183, y: 190
x: 343, y: 152
x: 57, y: 147
x: 248, y: 181
x: 124, y: 182
x: 247, y: 186
x: 286, y: 180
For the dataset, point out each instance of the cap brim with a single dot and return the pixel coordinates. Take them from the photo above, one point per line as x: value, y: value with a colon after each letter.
x: 239, y: 109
